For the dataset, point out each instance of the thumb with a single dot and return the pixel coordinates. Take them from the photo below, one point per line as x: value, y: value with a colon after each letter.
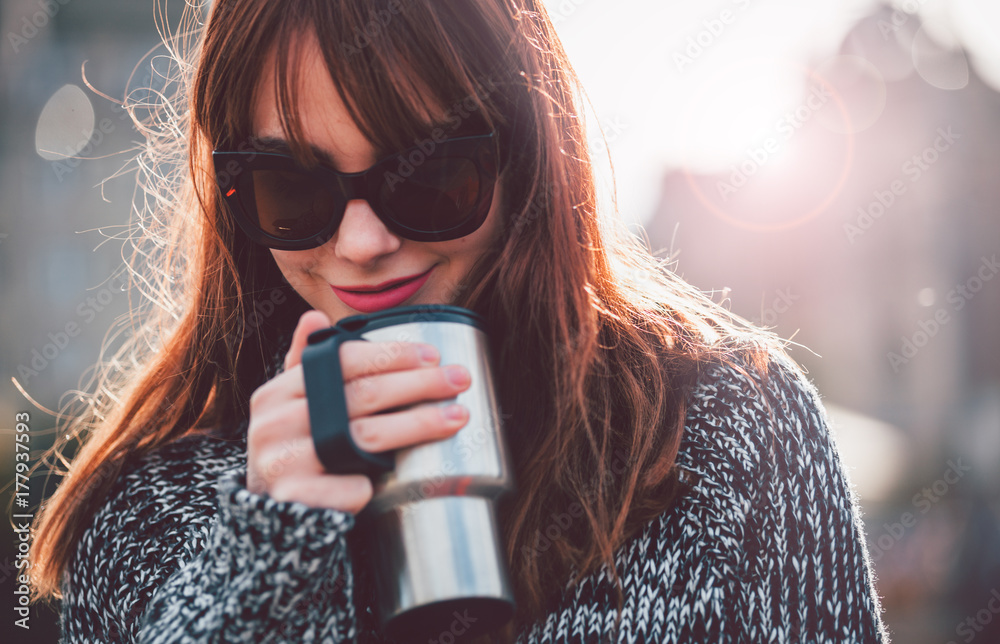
x: 309, y: 322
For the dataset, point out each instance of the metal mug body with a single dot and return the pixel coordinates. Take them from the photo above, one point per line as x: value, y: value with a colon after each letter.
x: 437, y: 557
x: 473, y: 462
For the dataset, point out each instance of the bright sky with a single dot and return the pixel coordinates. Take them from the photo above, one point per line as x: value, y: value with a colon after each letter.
x: 692, y: 84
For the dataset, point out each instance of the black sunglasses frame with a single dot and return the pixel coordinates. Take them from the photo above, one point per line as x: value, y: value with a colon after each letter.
x: 482, y: 149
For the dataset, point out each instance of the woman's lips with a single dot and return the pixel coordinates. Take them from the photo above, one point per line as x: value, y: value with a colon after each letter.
x: 369, y: 302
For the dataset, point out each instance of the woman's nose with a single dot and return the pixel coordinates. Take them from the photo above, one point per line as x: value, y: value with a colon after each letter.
x: 362, y: 238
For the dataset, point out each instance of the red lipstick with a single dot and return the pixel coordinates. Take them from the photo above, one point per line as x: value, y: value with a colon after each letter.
x: 368, y: 299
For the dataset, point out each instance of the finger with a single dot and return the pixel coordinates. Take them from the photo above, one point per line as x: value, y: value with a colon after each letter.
x: 286, y: 458
x: 359, y: 359
x: 289, y: 459
x: 420, y: 424
x: 309, y: 322
x: 383, y: 392
x: 283, y: 421
x: 287, y: 385
x: 347, y: 493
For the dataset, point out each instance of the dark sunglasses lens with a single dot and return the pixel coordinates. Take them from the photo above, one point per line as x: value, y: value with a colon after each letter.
x: 440, y: 194
x: 287, y: 205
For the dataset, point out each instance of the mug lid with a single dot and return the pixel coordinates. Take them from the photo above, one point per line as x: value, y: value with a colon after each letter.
x: 402, y: 315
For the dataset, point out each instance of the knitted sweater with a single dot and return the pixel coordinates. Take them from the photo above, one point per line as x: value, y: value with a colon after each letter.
x: 767, y: 546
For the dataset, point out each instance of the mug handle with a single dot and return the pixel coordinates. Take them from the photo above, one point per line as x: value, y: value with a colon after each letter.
x: 328, y: 419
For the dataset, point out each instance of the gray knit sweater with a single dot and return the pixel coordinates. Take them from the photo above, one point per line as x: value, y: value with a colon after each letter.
x: 767, y: 547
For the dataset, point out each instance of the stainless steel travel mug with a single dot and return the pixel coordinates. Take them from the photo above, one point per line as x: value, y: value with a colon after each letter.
x: 437, y: 553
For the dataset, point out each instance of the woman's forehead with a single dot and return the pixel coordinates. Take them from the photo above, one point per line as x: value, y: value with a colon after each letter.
x: 314, y: 94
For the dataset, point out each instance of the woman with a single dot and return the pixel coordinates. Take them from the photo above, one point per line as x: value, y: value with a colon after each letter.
x: 706, y: 499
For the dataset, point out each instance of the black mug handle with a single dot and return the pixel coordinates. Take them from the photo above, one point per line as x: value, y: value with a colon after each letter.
x: 331, y: 433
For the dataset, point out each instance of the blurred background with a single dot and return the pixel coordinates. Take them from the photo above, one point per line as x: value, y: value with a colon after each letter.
x: 830, y: 169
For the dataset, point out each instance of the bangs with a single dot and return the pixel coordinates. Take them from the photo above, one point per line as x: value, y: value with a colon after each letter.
x: 397, y: 73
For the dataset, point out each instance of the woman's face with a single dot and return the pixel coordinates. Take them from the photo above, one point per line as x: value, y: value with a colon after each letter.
x: 363, y: 253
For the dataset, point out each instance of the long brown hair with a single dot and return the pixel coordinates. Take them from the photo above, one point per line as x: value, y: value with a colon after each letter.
x: 596, y: 342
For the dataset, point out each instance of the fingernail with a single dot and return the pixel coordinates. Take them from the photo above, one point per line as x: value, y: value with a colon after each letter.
x: 454, y: 412
x: 458, y: 375
x: 429, y: 354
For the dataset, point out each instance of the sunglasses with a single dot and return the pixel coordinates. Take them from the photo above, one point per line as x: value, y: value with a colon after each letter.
x: 419, y: 194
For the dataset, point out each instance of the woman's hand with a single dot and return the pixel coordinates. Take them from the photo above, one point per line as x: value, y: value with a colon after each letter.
x: 281, y: 457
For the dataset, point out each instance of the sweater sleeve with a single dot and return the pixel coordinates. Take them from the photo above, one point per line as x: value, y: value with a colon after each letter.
x: 272, y: 571
x: 183, y: 552
x: 766, y: 546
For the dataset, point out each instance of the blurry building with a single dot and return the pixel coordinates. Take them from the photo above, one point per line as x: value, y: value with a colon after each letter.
x: 868, y: 228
